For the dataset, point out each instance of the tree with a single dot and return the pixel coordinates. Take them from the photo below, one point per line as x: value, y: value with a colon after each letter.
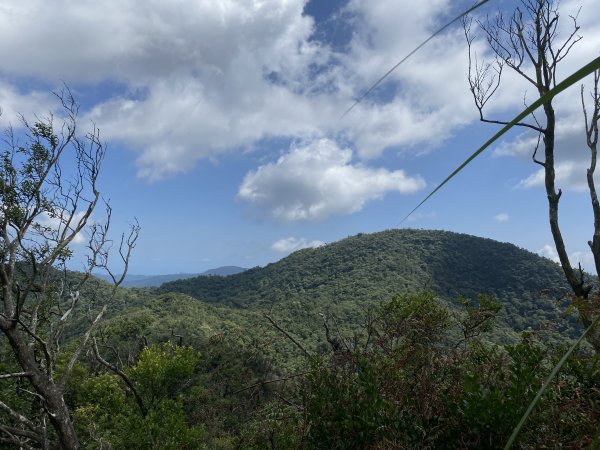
x: 48, y: 193
x: 528, y: 44
x: 155, y: 415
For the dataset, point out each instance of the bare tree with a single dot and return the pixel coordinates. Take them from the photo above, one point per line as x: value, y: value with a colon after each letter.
x: 48, y: 193
x: 528, y: 44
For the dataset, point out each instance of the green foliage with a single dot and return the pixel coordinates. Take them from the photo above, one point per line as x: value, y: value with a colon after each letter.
x: 345, y: 408
x: 107, y: 415
x: 161, y: 371
x: 413, y: 372
x: 497, y: 389
x: 478, y: 318
x: 386, y: 390
x: 343, y: 278
x: 408, y: 388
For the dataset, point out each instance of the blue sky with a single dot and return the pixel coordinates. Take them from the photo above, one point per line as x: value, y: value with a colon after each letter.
x: 224, y: 134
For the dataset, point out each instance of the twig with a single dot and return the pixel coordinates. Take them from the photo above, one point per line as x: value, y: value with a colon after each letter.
x: 290, y: 337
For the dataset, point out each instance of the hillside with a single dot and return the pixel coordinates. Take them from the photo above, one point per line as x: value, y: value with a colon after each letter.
x: 344, y: 277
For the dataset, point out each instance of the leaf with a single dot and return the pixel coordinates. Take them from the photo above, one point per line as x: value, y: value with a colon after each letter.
x: 547, y: 382
x: 566, y: 83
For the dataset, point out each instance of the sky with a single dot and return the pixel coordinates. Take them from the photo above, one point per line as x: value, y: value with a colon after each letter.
x: 224, y: 129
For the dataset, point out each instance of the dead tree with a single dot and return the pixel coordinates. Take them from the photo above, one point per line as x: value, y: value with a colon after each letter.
x: 48, y: 192
x: 528, y: 44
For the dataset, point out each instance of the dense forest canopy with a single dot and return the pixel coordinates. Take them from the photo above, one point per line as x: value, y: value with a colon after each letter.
x: 366, y: 269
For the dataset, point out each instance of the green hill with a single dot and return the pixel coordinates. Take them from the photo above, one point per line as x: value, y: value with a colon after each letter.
x: 343, y: 278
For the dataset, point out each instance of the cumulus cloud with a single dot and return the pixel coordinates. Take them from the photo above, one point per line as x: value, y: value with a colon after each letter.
x: 317, y: 180
x: 291, y: 244
x: 14, y: 104
x: 570, y: 174
x: 205, y: 78
x: 549, y: 252
x: 201, y: 79
x: 45, y: 220
x: 571, y: 153
x: 502, y: 217
x: 585, y: 258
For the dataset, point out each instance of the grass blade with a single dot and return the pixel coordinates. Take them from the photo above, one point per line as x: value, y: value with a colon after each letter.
x: 547, y: 381
x: 566, y: 83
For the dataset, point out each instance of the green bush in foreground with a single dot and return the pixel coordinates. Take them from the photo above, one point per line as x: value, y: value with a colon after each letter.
x: 413, y: 385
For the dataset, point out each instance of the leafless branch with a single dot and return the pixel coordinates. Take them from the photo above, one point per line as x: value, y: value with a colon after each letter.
x: 265, y: 382
x: 14, y: 375
x: 18, y: 416
x: 289, y: 336
x: 123, y: 376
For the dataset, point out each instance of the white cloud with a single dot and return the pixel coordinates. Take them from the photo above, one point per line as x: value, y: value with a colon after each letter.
x: 13, y: 104
x: 318, y: 180
x: 570, y: 174
x: 56, y: 224
x: 199, y: 79
x: 502, y: 217
x: 549, y: 252
x: 571, y: 152
x: 291, y: 244
x: 585, y: 258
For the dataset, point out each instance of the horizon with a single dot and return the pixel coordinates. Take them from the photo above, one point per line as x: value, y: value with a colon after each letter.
x: 224, y: 133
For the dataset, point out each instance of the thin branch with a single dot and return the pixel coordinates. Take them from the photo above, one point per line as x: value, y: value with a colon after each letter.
x: 265, y: 382
x: 537, y: 147
x: 18, y: 416
x: 75, y: 356
x: 123, y: 376
x: 289, y: 336
x: 16, y: 441
x: 519, y: 124
x: 15, y: 375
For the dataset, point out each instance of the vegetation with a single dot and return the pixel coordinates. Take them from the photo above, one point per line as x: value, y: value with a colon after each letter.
x: 338, y: 347
x: 42, y: 212
x: 346, y: 277
x: 385, y: 374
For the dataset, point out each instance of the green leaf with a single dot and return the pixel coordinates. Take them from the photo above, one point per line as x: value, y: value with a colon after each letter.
x: 566, y: 83
x: 547, y: 382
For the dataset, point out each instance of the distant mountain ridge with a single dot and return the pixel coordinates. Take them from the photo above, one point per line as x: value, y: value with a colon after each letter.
x: 157, y: 280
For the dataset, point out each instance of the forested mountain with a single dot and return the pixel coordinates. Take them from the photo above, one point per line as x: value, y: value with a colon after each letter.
x: 342, y: 278
x: 224, y: 271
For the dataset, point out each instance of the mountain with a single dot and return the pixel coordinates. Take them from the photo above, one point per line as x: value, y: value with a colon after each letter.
x: 343, y: 279
x: 224, y: 271
x: 140, y: 281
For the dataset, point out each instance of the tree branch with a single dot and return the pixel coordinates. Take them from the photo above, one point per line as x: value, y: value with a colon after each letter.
x: 289, y: 336
x: 123, y: 376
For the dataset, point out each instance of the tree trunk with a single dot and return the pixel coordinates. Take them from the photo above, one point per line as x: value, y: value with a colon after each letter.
x: 53, y: 400
x: 583, y: 302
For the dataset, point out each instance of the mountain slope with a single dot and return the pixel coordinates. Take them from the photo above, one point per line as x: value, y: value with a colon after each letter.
x: 344, y: 277
x: 224, y: 271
